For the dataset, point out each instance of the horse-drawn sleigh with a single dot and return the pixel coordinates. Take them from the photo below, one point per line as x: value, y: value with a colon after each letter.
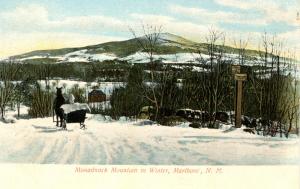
x: 68, y: 112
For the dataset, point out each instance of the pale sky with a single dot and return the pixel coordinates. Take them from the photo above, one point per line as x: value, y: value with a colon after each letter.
x: 27, y: 25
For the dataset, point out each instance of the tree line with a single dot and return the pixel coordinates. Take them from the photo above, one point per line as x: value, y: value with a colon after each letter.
x: 270, y: 92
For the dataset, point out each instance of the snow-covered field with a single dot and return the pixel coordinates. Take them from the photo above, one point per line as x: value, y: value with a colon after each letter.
x: 106, y: 87
x: 106, y: 141
x: 139, y: 57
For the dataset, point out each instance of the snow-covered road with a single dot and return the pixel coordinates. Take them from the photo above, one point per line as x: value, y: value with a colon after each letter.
x: 122, y: 142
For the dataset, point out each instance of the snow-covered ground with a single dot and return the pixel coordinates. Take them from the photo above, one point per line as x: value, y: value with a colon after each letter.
x: 83, y: 56
x: 139, y: 57
x: 77, y: 56
x: 106, y: 141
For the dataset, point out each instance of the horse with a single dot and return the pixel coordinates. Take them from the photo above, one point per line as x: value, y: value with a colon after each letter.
x: 58, y: 102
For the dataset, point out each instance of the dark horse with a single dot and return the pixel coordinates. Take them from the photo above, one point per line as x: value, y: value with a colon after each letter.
x: 58, y: 102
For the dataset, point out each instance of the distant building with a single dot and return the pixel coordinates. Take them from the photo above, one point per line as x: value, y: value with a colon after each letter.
x: 96, y: 95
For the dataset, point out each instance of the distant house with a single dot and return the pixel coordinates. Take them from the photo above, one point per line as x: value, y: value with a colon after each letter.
x: 97, y: 95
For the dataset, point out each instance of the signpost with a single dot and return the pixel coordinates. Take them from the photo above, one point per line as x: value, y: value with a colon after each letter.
x: 236, y: 69
x: 239, y: 78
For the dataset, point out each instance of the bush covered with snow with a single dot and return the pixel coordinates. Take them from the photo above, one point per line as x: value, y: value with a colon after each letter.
x: 8, y: 119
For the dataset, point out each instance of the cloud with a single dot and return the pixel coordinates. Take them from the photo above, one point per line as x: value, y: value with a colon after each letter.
x: 212, y: 16
x: 236, y: 3
x: 36, y: 18
x: 169, y: 24
x: 272, y: 10
x: 29, y: 14
x: 202, y: 14
x: 29, y: 27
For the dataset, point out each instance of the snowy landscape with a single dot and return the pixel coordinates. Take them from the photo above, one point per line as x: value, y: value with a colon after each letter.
x: 150, y: 94
x: 125, y: 128
x: 153, y: 98
x: 139, y: 142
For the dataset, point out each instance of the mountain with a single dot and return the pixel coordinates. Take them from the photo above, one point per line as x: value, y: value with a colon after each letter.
x: 170, y: 48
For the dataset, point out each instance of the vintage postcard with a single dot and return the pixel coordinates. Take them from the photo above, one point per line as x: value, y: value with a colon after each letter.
x: 144, y: 94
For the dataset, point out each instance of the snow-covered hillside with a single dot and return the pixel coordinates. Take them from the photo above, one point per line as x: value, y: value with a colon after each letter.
x: 106, y: 51
x: 166, y: 58
x: 176, y: 50
x: 138, y: 142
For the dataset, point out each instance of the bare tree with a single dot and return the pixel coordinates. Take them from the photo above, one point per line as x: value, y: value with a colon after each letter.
x: 148, y: 44
x: 241, y: 46
x: 293, y: 102
x: 8, y: 72
x: 218, y: 75
x: 212, y: 86
x: 274, y: 87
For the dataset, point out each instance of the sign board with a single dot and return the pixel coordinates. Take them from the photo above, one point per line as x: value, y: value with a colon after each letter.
x: 240, y: 77
x: 236, y: 69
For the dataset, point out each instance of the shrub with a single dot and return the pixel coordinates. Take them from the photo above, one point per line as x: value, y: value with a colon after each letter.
x: 171, y: 120
x: 79, y: 94
x: 125, y: 102
x: 41, y: 103
x: 195, y: 125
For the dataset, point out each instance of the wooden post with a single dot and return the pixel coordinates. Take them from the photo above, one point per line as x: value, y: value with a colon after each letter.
x: 236, y: 69
x: 240, y: 78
